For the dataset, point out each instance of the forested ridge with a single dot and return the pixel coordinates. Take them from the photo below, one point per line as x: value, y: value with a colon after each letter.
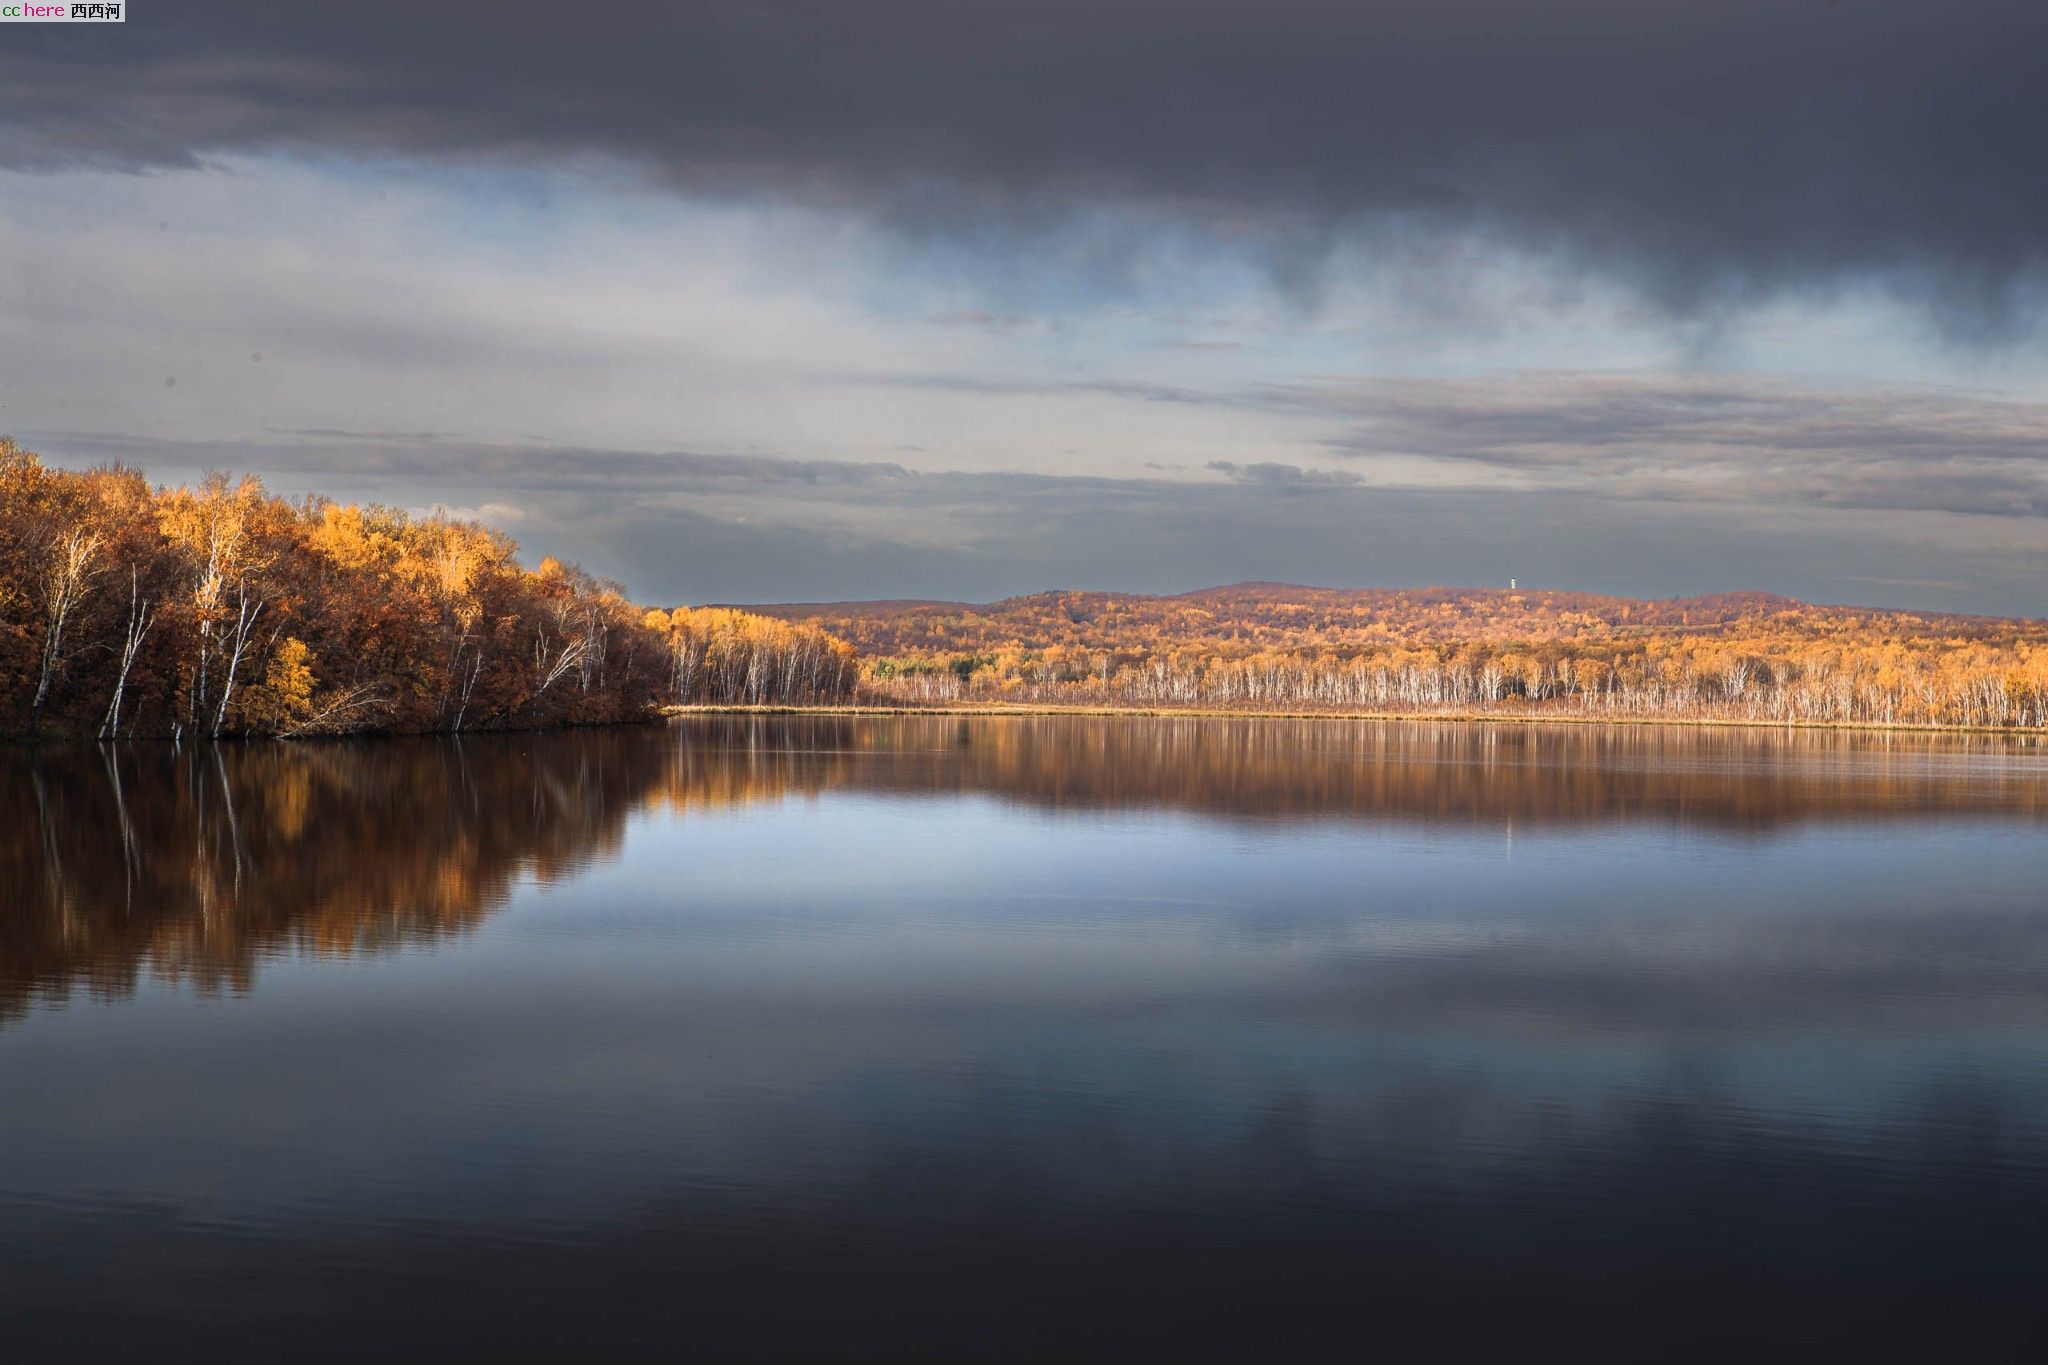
x: 1268, y: 646
x: 128, y: 610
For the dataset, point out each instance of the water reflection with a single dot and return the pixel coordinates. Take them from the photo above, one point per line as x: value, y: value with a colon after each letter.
x: 1730, y: 778
x: 196, y: 863
x: 1027, y: 1038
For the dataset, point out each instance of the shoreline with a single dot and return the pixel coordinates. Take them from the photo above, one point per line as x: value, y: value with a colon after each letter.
x: 1107, y: 711
x: 985, y: 709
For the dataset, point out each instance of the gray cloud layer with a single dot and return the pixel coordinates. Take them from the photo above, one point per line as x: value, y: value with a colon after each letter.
x: 1284, y: 478
x: 1700, y: 151
x: 1656, y: 486
x: 1667, y: 437
x: 1738, y: 439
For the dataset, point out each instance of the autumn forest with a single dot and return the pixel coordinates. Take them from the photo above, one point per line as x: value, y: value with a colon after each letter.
x: 128, y: 610
x: 1752, y: 656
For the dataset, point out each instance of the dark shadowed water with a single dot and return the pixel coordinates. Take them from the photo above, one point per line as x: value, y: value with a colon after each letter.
x: 1036, y: 1038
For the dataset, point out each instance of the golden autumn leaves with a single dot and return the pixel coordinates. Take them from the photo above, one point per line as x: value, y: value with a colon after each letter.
x: 223, y: 610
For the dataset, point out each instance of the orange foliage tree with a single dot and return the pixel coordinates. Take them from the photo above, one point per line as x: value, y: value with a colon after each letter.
x: 223, y: 610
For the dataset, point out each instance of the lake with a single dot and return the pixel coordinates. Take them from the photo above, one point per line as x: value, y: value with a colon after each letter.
x: 1035, y: 1038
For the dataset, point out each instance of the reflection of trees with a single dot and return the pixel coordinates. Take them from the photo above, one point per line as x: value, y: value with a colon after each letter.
x: 196, y: 863
x: 1415, y: 771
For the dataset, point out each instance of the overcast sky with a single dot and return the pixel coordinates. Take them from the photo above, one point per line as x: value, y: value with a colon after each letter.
x: 902, y: 298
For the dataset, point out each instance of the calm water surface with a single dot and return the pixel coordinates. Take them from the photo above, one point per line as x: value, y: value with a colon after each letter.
x: 1038, y: 1038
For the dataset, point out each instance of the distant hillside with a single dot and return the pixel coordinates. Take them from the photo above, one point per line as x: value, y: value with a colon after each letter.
x: 1251, y: 617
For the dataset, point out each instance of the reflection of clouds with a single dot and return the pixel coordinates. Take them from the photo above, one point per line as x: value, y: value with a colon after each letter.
x: 1114, y: 1006
x: 1736, y: 974
x: 811, y: 1080
x: 1664, y: 883
x: 1361, y: 864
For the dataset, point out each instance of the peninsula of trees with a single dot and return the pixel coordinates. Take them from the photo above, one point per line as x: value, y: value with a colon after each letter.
x: 132, y: 611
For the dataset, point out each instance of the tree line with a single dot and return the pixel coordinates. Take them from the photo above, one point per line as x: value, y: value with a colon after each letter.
x: 128, y: 610
x: 721, y: 655
x: 1752, y: 656
x: 1962, y: 684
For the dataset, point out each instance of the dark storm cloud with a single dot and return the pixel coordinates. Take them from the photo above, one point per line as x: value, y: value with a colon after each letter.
x: 1702, y: 151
